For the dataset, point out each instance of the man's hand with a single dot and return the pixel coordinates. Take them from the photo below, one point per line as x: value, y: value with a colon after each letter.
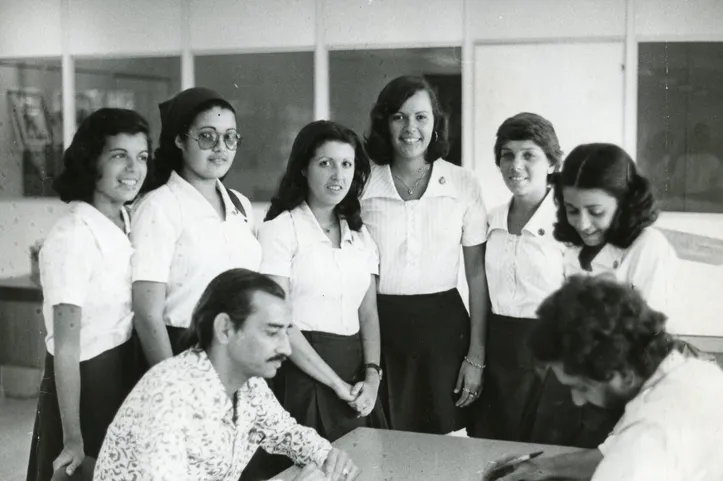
x: 339, y: 466
x: 531, y: 470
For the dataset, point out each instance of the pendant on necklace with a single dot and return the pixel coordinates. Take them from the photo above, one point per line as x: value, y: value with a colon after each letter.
x: 409, y: 191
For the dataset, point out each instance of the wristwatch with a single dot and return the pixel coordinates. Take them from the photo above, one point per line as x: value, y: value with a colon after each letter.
x: 376, y: 367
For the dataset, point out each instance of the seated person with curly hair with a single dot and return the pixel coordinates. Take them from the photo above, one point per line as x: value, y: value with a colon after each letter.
x: 604, y: 343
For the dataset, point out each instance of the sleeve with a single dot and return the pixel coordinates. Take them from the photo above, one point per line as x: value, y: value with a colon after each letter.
x: 638, y: 453
x: 155, y: 229
x: 147, y: 441
x: 278, y: 245
x: 66, y: 264
x: 372, y: 249
x: 474, y: 223
x: 283, y: 435
x: 652, y: 270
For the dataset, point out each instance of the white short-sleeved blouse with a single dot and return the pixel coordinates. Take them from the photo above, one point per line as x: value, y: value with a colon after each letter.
x: 327, y: 285
x: 522, y: 270
x: 180, y: 240
x: 419, y: 240
x: 86, y: 261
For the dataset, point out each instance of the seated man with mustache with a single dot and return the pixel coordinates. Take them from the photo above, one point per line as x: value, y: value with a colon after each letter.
x: 201, y: 415
x: 610, y: 348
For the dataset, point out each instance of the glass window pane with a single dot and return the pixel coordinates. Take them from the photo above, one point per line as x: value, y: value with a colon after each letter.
x: 273, y: 94
x: 31, y: 117
x: 680, y: 126
x: 139, y: 84
x: 356, y: 77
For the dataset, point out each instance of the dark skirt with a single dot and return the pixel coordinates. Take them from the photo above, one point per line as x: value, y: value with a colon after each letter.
x: 105, y: 380
x: 424, y: 341
x: 512, y: 383
x: 559, y: 421
x: 315, y: 405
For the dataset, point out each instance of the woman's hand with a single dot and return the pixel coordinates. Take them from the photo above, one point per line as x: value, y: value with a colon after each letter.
x: 469, y: 382
x: 344, y: 391
x: 339, y: 466
x: 366, y: 395
x: 70, y: 457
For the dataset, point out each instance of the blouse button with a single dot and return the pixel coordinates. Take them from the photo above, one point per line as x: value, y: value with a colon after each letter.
x: 615, y: 265
x: 442, y: 180
x: 541, y: 231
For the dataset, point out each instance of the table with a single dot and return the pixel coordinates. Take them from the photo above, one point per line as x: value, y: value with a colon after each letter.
x: 403, y: 456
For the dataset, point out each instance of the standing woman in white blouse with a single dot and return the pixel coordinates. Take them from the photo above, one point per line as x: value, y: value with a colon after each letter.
x: 524, y: 266
x: 316, y: 246
x: 605, y: 211
x: 190, y: 228
x: 420, y: 209
x: 85, y: 272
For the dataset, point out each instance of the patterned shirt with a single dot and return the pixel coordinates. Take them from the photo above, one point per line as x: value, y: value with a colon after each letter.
x: 178, y: 424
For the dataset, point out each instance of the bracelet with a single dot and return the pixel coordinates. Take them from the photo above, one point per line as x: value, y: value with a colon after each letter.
x: 472, y: 363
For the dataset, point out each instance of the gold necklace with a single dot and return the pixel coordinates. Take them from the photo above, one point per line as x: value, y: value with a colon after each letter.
x: 410, y: 190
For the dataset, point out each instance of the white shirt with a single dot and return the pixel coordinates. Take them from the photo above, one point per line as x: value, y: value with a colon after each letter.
x: 179, y: 424
x: 419, y: 240
x: 86, y: 261
x: 522, y: 270
x: 672, y: 430
x: 327, y: 285
x: 649, y: 266
x: 181, y: 241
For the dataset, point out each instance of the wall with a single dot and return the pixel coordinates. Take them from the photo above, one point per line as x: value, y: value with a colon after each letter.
x: 31, y: 29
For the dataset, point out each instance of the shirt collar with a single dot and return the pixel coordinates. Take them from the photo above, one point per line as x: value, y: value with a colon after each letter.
x: 108, y: 234
x: 179, y: 184
x: 381, y: 182
x: 304, y: 214
x: 671, y: 362
x: 540, y: 224
x: 210, y: 391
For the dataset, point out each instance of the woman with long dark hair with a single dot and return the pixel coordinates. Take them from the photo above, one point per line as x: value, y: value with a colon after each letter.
x: 605, y: 213
x: 422, y: 211
x: 316, y: 246
x: 85, y: 272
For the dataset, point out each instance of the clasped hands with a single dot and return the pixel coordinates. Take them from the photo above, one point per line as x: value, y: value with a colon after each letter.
x: 362, y: 396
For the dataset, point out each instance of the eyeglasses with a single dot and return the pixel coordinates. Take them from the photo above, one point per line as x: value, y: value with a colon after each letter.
x: 207, y: 139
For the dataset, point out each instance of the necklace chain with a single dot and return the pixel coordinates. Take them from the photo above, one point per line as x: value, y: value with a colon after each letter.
x: 410, y: 190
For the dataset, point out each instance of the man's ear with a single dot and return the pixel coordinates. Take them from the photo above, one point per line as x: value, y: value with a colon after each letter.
x: 223, y: 328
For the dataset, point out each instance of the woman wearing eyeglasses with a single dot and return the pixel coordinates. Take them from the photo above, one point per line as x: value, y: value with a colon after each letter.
x: 190, y: 227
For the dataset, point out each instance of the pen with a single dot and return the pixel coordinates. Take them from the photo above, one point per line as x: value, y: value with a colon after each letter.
x: 523, y: 458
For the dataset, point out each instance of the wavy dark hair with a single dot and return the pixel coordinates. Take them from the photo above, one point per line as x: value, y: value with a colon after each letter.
x: 596, y: 327
x: 168, y: 157
x: 294, y: 187
x: 609, y: 168
x: 529, y: 126
x: 378, y: 144
x: 230, y: 292
x: 80, y: 174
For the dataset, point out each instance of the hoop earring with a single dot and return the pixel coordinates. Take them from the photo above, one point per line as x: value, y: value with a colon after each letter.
x: 435, y: 136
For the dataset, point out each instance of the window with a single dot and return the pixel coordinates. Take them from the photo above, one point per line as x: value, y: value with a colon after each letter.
x: 31, y: 114
x: 680, y: 125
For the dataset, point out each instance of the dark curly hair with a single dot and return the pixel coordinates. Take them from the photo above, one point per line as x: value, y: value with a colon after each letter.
x: 80, y: 174
x: 168, y: 157
x: 529, y: 126
x: 596, y: 327
x: 378, y: 144
x: 230, y: 292
x: 609, y: 168
x: 294, y: 186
